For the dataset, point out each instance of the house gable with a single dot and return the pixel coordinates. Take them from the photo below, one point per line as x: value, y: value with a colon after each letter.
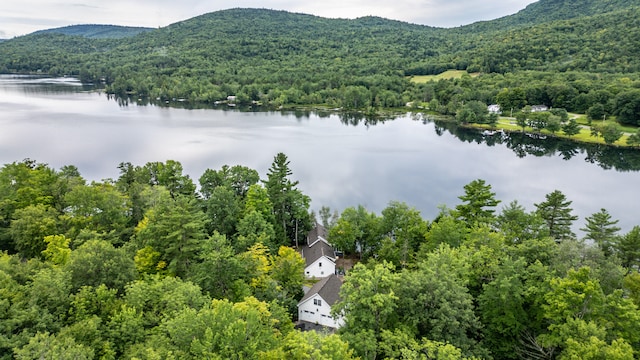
x: 318, y: 255
x: 315, y: 306
x: 322, y: 267
x: 318, y: 232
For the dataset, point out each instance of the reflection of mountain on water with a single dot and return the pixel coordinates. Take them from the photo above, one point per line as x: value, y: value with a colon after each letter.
x: 607, y: 157
x: 33, y: 84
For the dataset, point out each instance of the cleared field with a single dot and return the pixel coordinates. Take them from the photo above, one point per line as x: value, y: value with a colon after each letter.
x: 449, y: 74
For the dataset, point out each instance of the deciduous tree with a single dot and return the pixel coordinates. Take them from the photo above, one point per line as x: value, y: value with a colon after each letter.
x: 368, y: 302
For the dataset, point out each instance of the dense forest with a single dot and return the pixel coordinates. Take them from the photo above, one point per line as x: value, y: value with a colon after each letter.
x: 574, y: 55
x: 152, y: 266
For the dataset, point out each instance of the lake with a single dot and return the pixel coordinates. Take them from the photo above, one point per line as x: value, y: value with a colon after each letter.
x: 339, y: 161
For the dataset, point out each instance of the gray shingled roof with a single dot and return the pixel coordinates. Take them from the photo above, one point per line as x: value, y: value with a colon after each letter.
x: 328, y: 288
x: 315, y: 233
x: 315, y: 252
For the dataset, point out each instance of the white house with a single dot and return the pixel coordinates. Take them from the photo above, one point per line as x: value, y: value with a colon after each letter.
x: 318, y: 254
x: 538, y: 108
x: 315, y: 306
x: 493, y: 109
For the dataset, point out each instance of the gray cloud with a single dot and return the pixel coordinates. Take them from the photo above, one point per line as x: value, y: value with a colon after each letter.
x: 22, y: 17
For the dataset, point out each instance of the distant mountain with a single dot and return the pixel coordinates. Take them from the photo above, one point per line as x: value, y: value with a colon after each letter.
x: 97, y: 31
x: 280, y: 57
x: 545, y: 11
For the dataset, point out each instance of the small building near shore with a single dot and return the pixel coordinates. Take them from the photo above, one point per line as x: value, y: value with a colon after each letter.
x: 494, y: 109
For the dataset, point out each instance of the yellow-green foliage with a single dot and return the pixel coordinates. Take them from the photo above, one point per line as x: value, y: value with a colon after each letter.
x: 449, y: 74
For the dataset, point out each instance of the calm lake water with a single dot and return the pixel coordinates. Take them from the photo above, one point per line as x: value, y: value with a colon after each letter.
x: 59, y: 122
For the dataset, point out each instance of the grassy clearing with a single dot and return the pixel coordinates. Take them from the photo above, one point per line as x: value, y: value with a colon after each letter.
x: 509, y: 124
x: 449, y: 74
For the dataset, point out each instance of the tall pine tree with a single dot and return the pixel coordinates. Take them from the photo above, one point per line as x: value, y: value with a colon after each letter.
x: 290, y: 205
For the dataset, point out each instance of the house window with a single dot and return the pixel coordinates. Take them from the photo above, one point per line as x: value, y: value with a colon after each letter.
x: 317, y: 302
x: 320, y: 264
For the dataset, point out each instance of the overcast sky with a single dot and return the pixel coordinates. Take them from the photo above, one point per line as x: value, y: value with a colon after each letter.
x: 19, y: 17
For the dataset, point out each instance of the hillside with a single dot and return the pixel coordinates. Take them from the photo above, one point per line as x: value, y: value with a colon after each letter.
x: 97, y: 31
x: 544, y: 11
x: 279, y: 58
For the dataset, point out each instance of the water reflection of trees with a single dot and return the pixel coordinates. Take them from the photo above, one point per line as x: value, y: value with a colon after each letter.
x: 522, y: 144
x: 359, y: 118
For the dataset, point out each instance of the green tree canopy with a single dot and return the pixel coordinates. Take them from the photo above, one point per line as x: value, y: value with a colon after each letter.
x: 478, y: 203
x: 602, y: 229
x: 556, y: 212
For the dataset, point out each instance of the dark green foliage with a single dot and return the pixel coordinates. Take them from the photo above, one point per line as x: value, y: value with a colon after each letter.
x: 611, y: 133
x: 24, y: 184
x: 505, y: 317
x: 511, y: 100
x: 571, y: 128
x: 556, y: 212
x: 478, y: 203
x: 628, y: 249
x: 405, y: 231
x: 634, y: 139
x: 290, y: 205
x: 551, y: 10
x: 218, y: 270
x: 356, y: 231
x: 97, y: 262
x: 596, y: 112
x: 473, y: 112
x: 176, y: 229
x: 601, y: 229
x: 277, y: 58
x: 627, y: 106
x: 435, y: 302
x: 29, y: 227
x: 469, y: 283
x: 222, y: 208
x: 239, y: 178
x: 519, y: 226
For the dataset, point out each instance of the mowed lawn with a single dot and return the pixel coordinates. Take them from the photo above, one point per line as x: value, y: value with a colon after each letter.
x: 449, y: 74
x: 509, y: 124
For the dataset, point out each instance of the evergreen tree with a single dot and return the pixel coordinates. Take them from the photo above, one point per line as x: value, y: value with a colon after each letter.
x: 602, y: 230
x: 290, y: 206
x: 176, y: 229
x: 628, y: 249
x: 556, y: 212
x: 571, y: 128
x: 478, y: 205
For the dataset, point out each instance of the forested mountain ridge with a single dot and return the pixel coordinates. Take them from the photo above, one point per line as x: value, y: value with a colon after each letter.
x: 600, y: 43
x: 544, y: 11
x: 278, y: 58
x: 95, y: 31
